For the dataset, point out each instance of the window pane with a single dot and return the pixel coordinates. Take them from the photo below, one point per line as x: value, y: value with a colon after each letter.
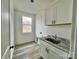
x: 26, y: 20
x: 27, y: 28
x: 26, y: 24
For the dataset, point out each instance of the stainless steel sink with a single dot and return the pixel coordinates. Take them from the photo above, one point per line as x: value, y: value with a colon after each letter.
x: 55, y: 41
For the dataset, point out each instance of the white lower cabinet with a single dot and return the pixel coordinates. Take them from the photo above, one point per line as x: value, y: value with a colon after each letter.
x: 43, y: 52
x: 53, y: 55
x: 48, y: 51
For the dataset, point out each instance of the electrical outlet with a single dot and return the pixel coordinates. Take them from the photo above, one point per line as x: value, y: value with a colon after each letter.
x: 40, y: 32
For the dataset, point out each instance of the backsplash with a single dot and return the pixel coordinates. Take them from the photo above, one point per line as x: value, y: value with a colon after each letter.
x: 63, y: 31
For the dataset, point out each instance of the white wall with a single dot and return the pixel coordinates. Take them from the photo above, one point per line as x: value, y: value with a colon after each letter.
x: 5, y: 29
x: 18, y: 35
x: 40, y: 24
x: 63, y: 31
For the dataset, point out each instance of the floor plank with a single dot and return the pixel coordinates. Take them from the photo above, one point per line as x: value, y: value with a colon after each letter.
x: 30, y: 51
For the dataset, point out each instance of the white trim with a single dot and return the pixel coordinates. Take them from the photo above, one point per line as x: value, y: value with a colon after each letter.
x: 11, y: 53
x: 11, y: 23
x: 6, y: 52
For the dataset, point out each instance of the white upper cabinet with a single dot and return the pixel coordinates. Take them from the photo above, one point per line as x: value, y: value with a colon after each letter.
x: 59, y: 13
x: 51, y: 15
x: 64, y: 12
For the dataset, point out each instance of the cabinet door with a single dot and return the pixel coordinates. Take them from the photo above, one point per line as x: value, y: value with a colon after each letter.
x: 64, y: 12
x: 51, y: 15
x: 53, y: 55
x: 43, y: 52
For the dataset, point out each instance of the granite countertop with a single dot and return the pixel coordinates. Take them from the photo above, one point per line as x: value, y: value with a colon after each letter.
x: 64, y: 45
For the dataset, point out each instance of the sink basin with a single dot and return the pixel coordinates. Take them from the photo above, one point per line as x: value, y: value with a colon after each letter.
x: 55, y: 41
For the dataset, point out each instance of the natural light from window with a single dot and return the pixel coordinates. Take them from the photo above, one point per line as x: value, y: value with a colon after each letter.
x: 26, y: 24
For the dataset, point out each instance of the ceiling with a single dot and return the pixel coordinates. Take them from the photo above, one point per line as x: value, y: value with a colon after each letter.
x: 27, y: 6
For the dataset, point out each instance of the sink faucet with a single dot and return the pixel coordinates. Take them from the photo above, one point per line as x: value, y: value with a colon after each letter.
x: 55, y: 36
x: 48, y: 36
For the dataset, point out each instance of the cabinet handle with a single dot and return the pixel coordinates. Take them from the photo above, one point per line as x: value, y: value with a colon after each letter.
x: 47, y: 50
x: 53, y: 21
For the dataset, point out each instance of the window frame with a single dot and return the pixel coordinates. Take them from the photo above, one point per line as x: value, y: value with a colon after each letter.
x: 26, y: 24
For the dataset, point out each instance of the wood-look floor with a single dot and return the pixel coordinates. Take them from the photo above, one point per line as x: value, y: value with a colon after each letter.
x: 30, y: 51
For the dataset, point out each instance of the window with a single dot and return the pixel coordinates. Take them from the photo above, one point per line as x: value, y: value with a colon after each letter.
x: 26, y: 24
